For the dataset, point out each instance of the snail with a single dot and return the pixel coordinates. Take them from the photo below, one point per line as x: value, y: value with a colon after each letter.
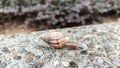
x: 57, y: 40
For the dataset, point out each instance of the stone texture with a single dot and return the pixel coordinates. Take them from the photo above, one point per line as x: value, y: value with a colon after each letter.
x: 101, y: 49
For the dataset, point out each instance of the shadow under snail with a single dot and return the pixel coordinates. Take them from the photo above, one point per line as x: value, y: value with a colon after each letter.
x: 56, y: 39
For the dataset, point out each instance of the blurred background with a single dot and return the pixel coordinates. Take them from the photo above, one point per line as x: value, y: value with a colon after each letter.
x: 34, y: 15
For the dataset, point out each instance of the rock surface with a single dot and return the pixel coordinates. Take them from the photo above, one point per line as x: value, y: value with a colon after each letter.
x: 101, y: 45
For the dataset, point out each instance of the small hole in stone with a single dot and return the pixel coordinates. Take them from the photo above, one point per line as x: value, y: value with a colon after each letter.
x: 80, y: 48
x: 69, y: 31
x: 100, y: 49
x: 73, y: 65
x: 84, y: 52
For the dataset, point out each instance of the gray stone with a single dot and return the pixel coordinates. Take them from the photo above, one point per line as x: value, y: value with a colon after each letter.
x: 39, y: 52
x: 100, y: 49
x: 17, y: 57
x: 5, y: 50
x: 13, y: 64
x: 73, y: 65
x: 28, y: 60
x: 3, y: 65
x: 100, y: 61
x: 65, y: 63
x: 36, y: 65
x: 84, y: 52
x: 21, y: 50
x: 97, y: 66
x: 37, y: 57
x: 56, y: 63
x: 118, y: 66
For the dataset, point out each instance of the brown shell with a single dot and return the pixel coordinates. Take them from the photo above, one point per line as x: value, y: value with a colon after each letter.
x: 59, y: 44
x: 57, y: 39
x: 54, y: 38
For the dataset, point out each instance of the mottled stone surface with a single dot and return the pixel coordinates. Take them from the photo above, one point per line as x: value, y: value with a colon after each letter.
x: 101, y: 49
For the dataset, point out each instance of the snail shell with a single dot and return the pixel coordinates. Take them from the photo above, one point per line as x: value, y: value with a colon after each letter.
x: 54, y: 38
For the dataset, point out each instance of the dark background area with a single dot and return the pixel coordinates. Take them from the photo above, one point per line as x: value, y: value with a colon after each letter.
x: 34, y: 15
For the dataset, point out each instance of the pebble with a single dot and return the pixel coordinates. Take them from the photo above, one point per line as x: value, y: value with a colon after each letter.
x: 27, y: 60
x: 56, y: 63
x: 13, y: 64
x: 111, y: 57
x: 65, y: 63
x: 100, y: 61
x: 12, y: 54
x: 117, y: 47
x: 106, y: 65
x: 0, y: 53
x: 115, y: 36
x: 37, y: 57
x: 46, y: 59
x: 89, y: 67
x: 94, y: 30
x: 5, y: 50
x: 88, y: 36
x: 93, y: 54
x: 100, y: 49
x: 3, y: 65
x: 91, y: 46
x: 39, y: 52
x: 29, y: 55
x: 97, y: 66
x: 22, y: 50
x: 111, y: 52
x: 73, y: 65
x: 36, y: 65
x: 17, y: 57
x: 71, y: 53
x: 84, y: 52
